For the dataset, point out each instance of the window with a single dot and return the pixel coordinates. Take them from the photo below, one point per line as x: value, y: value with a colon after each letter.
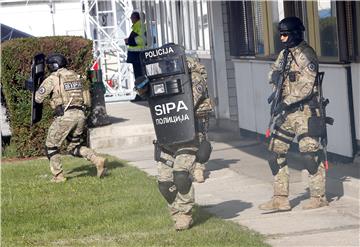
x: 259, y: 28
x: 277, y: 14
x: 327, y: 23
x: 181, y: 22
x: 240, y: 22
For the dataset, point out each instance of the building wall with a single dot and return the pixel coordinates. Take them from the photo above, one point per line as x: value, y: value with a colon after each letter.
x: 355, y: 71
x: 252, y: 91
x: 232, y: 119
x: 36, y: 19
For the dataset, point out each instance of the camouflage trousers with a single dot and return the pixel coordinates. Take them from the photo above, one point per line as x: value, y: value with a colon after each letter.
x: 69, y: 126
x: 296, y: 124
x: 183, y: 162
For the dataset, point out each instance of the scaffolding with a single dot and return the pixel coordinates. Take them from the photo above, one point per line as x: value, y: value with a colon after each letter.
x: 107, y: 23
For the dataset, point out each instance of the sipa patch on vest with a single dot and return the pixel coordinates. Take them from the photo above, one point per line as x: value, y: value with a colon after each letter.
x: 72, y: 85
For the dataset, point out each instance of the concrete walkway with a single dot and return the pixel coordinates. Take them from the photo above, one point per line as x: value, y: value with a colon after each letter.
x: 239, y: 179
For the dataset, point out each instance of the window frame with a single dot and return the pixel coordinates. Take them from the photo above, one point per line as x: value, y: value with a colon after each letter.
x: 347, y: 20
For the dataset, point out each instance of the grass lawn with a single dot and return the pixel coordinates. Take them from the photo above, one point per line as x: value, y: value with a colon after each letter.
x: 123, y: 209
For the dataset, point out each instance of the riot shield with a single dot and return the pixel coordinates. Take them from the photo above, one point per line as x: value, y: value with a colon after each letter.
x: 170, y: 94
x: 37, y: 76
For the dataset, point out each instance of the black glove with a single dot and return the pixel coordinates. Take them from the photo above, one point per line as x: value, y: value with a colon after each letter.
x: 280, y: 108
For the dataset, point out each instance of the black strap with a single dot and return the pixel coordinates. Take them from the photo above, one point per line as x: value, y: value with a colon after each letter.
x: 78, y: 107
x: 51, y: 151
x: 185, y: 151
x: 71, y: 138
x: 284, y: 132
x: 301, y: 136
x: 313, y: 111
x: 169, y: 163
x: 167, y: 151
x: 283, y: 139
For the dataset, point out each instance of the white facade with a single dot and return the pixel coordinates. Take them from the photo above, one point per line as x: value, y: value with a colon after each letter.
x: 36, y: 18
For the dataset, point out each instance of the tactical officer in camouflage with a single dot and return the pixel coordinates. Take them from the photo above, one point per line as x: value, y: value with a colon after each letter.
x: 180, y: 196
x: 68, y: 99
x: 178, y: 157
x: 295, y: 108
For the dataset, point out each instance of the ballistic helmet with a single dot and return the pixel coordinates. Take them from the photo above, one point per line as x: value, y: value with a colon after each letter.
x: 55, y: 61
x: 293, y: 28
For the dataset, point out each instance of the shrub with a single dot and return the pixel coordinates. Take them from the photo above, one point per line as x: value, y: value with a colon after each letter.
x: 16, y: 58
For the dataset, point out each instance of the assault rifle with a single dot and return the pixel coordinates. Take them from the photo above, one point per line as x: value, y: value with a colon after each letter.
x: 275, y: 98
x: 33, y: 83
x: 323, y: 119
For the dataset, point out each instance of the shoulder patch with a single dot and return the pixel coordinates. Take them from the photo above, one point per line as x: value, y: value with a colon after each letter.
x: 41, y: 90
x: 312, y: 67
x: 199, y: 88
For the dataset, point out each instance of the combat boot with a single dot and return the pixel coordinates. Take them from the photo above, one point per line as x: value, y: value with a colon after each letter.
x: 316, y: 202
x: 280, y: 203
x: 99, y: 162
x: 198, y: 176
x: 182, y: 221
x: 58, y: 178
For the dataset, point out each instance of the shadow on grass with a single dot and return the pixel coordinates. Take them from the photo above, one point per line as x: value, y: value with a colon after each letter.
x: 90, y: 170
x: 200, y: 215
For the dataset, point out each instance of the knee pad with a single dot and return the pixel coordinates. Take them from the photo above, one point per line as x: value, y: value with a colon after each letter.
x: 273, y: 163
x: 182, y: 181
x: 51, y: 151
x: 76, y: 151
x: 204, y: 151
x: 168, y: 190
x: 312, y: 161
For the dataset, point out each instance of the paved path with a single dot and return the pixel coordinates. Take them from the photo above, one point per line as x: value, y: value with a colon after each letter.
x: 238, y: 180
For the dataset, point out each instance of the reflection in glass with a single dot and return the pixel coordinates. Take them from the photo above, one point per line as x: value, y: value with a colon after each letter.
x: 327, y: 28
x: 165, y: 67
x: 259, y: 32
x: 277, y: 11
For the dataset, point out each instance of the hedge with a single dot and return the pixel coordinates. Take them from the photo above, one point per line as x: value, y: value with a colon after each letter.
x: 16, y: 58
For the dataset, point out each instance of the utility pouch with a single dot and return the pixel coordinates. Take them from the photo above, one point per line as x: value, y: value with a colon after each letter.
x: 204, y: 151
x: 292, y: 76
x: 157, y: 151
x: 59, y: 111
x: 316, y: 126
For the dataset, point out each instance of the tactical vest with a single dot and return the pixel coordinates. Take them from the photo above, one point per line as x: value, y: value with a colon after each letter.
x: 68, y: 89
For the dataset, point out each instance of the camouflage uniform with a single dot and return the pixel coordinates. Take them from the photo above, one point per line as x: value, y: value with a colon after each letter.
x: 181, y: 158
x: 298, y: 89
x: 68, y: 99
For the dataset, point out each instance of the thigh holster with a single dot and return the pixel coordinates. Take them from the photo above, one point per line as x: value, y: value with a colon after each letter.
x: 182, y: 181
x: 274, y: 164
x: 168, y: 190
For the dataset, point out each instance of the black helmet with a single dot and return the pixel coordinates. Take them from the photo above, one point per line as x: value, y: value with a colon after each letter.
x: 55, y: 61
x: 294, y: 28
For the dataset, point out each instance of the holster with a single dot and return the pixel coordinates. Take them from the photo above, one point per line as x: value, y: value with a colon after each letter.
x: 59, y: 111
x: 316, y: 126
